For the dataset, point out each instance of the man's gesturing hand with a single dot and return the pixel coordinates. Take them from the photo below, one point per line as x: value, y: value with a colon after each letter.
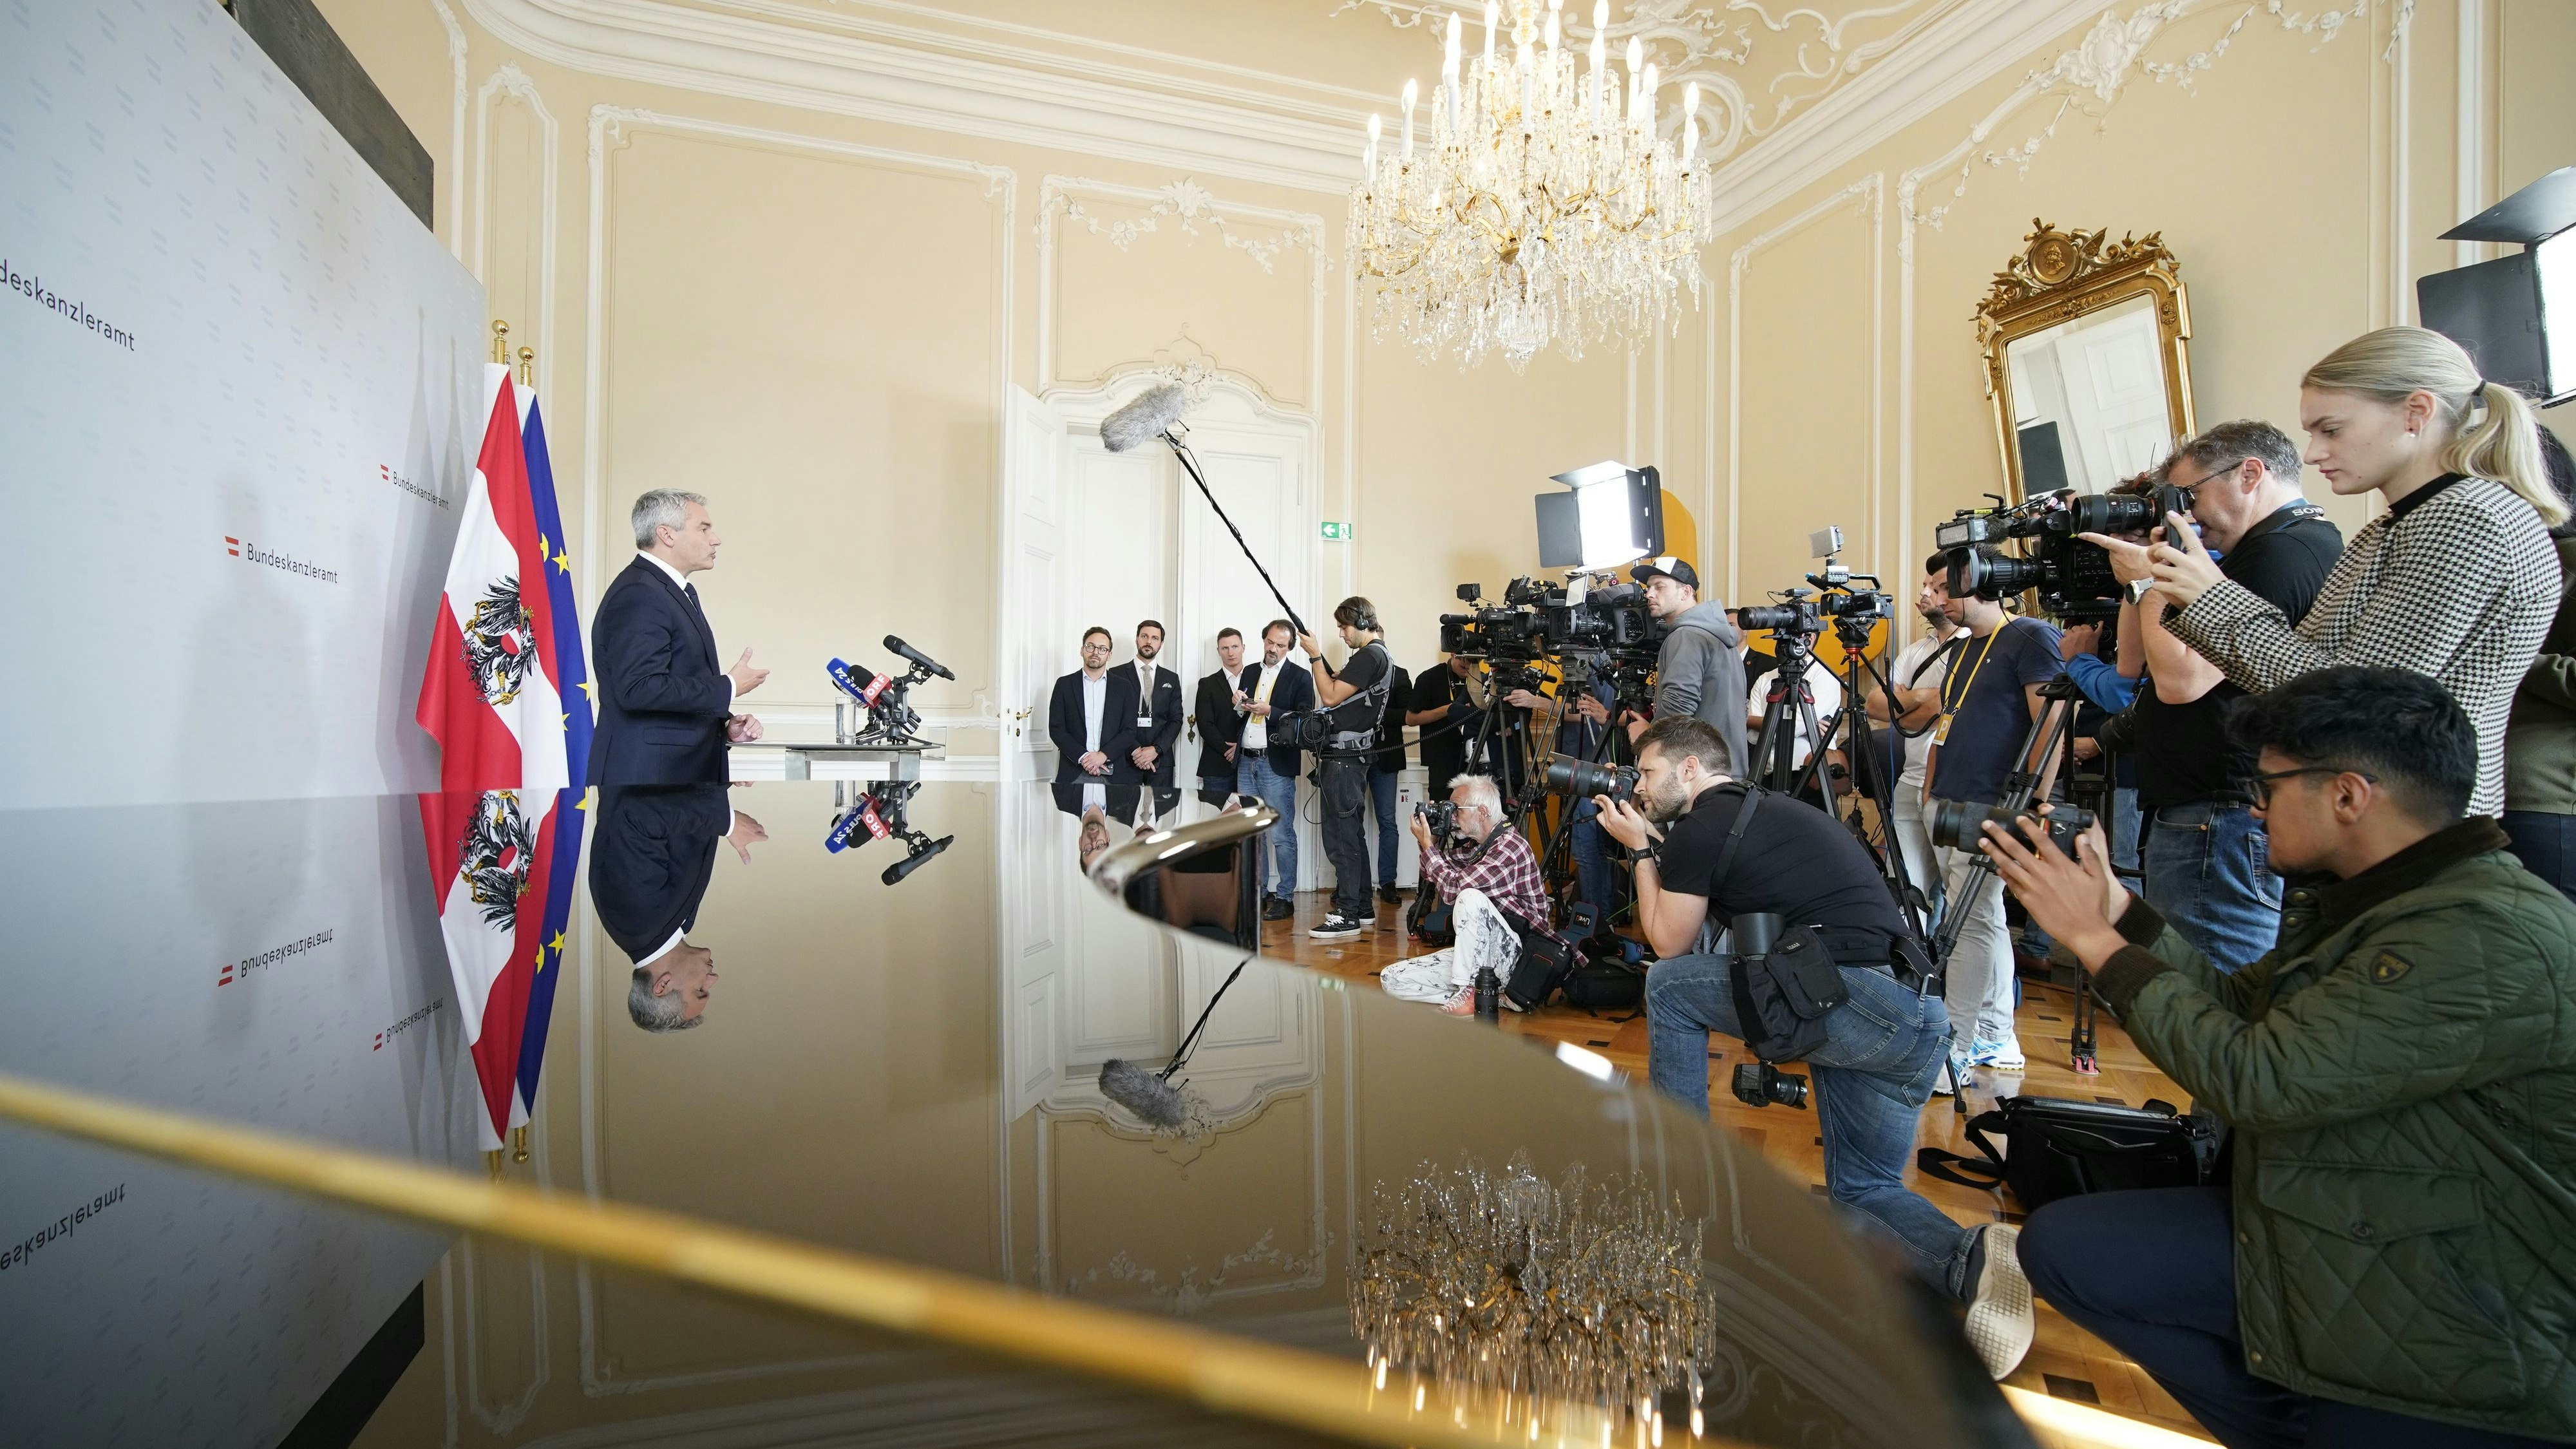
x: 746, y: 834
x: 745, y: 678
x: 2079, y: 904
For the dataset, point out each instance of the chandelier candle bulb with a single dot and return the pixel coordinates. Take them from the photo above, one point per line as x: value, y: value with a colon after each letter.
x: 1410, y: 92
x: 1493, y: 10
x: 1368, y: 163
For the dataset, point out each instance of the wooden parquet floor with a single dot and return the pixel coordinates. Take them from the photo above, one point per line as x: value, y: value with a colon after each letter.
x: 2066, y: 1361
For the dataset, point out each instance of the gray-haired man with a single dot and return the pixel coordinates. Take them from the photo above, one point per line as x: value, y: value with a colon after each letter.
x: 665, y: 707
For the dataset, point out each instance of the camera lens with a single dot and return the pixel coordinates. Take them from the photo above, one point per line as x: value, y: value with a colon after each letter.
x: 1960, y: 824
x: 1760, y: 1084
x: 1987, y: 573
x: 1767, y: 616
x: 2112, y: 513
x: 1582, y: 779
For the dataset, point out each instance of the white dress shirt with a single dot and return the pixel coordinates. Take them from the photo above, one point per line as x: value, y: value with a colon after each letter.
x: 681, y: 581
x: 1256, y: 729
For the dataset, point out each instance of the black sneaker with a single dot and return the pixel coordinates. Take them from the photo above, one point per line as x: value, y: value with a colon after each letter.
x: 1277, y: 908
x: 1336, y: 927
x: 1389, y: 894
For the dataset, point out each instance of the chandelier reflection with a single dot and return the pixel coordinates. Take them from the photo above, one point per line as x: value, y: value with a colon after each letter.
x: 1542, y: 205
x: 1548, y: 1298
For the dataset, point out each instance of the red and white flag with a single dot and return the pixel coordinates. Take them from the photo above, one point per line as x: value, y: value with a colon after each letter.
x: 491, y: 697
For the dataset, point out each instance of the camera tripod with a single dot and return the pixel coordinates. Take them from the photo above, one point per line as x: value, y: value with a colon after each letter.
x: 1773, y: 757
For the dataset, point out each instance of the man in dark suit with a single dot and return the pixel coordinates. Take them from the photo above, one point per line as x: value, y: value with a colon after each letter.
x: 665, y: 708
x: 650, y: 862
x: 1158, y: 710
x: 1268, y: 768
x: 1220, y: 728
x: 1092, y: 719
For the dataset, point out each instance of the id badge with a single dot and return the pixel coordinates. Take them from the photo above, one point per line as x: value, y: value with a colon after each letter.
x: 1941, y: 729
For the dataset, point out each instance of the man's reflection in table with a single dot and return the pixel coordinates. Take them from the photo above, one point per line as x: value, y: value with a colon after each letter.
x: 649, y: 867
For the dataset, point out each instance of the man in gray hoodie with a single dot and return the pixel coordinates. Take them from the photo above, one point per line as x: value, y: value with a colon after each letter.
x: 1701, y: 669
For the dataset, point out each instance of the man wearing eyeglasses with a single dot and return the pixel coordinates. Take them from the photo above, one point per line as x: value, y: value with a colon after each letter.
x: 2204, y: 854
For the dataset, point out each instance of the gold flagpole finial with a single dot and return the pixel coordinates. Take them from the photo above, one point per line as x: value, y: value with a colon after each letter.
x: 500, y: 340
x: 527, y: 367
x: 492, y: 1164
x: 518, y: 1144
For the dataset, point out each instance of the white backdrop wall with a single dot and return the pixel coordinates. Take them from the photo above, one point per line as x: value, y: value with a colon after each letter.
x: 236, y: 379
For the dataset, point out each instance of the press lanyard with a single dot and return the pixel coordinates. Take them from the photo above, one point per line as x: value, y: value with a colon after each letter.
x: 1951, y: 707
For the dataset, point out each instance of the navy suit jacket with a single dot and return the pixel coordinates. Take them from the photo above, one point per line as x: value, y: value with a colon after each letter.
x: 651, y: 859
x: 1294, y: 691
x: 1165, y: 708
x: 663, y: 697
x: 1067, y: 728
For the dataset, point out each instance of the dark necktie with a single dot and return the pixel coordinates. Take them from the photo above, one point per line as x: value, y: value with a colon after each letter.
x: 692, y: 591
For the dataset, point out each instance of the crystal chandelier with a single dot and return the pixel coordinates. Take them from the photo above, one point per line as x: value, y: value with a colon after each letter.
x: 1545, y: 206
x: 1558, y: 1301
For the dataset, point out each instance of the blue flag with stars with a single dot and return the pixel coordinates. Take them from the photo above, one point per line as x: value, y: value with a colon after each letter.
x: 572, y: 677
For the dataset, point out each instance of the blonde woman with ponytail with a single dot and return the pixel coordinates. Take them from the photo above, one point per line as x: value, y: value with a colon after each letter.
x: 2456, y: 578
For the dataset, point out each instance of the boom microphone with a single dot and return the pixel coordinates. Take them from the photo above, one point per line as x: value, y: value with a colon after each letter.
x: 916, y: 656
x: 920, y: 856
x: 1141, y: 1092
x: 1147, y: 416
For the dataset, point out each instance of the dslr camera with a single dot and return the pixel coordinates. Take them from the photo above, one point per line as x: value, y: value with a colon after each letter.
x: 2073, y: 578
x: 1440, y: 817
x: 1580, y: 779
x: 1960, y: 824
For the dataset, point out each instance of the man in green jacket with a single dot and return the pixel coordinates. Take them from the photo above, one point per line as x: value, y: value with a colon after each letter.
x: 2394, y: 1259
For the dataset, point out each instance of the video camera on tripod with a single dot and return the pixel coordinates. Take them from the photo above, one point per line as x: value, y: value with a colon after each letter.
x: 880, y: 814
x: 2072, y: 577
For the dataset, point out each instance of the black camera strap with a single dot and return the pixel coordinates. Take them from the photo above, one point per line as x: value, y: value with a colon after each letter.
x: 1747, y: 1016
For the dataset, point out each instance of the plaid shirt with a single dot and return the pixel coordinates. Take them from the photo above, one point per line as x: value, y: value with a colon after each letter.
x: 1508, y: 875
x: 2460, y: 587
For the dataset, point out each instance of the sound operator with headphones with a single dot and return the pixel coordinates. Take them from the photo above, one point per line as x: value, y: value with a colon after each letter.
x: 1707, y: 845
x: 1355, y: 696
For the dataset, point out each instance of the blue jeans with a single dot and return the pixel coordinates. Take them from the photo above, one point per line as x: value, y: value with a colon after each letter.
x: 2208, y: 870
x: 1593, y: 882
x: 1382, y: 798
x: 1882, y: 1049
x: 1253, y: 776
x: 2167, y: 1298
x: 2124, y: 827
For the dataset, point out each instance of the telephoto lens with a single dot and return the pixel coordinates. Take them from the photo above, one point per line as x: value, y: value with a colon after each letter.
x: 1959, y: 824
x: 1760, y: 1084
x: 1582, y: 779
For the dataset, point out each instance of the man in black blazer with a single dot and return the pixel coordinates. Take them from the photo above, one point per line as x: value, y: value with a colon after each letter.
x: 665, y: 708
x: 650, y: 861
x: 1266, y: 766
x: 1158, y: 710
x: 1220, y: 728
x: 1092, y: 718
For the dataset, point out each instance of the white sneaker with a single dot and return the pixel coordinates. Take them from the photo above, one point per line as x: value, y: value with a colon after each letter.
x: 2001, y: 1317
x: 2003, y: 1056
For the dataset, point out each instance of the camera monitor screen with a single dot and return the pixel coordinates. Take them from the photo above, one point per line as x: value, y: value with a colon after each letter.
x: 1612, y: 514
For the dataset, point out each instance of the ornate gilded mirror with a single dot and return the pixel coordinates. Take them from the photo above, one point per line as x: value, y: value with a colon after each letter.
x: 2087, y: 359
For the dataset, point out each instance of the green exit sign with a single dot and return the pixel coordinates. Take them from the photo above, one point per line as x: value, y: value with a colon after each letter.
x: 1332, y: 530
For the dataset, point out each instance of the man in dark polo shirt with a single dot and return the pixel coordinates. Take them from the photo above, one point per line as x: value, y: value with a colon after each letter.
x: 2204, y: 853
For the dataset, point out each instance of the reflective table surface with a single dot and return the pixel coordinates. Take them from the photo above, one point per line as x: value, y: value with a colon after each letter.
x: 893, y: 1047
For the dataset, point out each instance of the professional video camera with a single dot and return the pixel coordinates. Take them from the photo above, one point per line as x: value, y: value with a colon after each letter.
x: 1828, y: 595
x: 1540, y: 619
x: 892, y: 720
x: 879, y: 814
x: 2073, y: 577
x: 1582, y: 779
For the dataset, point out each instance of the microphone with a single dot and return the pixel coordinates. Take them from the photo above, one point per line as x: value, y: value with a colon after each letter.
x: 862, y: 816
x: 1146, y: 416
x: 1141, y: 1092
x: 859, y: 684
x: 921, y: 854
x: 917, y: 657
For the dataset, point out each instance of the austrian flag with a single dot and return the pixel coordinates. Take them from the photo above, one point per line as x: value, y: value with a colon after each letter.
x: 504, y: 830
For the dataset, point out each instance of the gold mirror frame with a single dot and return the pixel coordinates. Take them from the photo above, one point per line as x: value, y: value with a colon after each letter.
x: 2062, y: 275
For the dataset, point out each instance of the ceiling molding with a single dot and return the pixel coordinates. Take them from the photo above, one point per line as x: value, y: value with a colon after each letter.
x: 889, y: 73
x: 1951, y: 57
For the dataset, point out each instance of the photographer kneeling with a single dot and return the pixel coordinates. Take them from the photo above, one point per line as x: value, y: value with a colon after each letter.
x: 2396, y: 1256
x: 1490, y: 878
x: 1729, y: 849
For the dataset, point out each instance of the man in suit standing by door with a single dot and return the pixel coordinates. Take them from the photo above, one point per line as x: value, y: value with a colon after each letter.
x: 1220, y: 728
x: 1158, y: 712
x: 1092, y: 720
x: 665, y: 708
x: 1267, y: 769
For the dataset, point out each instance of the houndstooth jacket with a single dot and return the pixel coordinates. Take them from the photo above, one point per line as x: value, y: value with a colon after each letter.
x: 2461, y: 587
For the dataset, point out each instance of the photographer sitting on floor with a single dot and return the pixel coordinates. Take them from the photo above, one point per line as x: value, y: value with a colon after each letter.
x: 2396, y: 1257
x: 1883, y: 1045
x: 1494, y: 892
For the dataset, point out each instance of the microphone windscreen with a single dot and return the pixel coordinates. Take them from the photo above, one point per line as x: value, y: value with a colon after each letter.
x: 1145, y: 417
x: 1141, y: 1092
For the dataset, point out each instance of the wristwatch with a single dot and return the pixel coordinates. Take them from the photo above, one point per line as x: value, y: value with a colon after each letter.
x: 1640, y: 854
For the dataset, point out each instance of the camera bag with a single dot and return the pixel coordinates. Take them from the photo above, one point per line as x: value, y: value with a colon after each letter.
x: 1783, y: 992
x: 1605, y: 983
x: 2057, y: 1147
x: 1547, y: 958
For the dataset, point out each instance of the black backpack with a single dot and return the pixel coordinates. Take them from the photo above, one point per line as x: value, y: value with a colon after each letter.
x: 2057, y: 1147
